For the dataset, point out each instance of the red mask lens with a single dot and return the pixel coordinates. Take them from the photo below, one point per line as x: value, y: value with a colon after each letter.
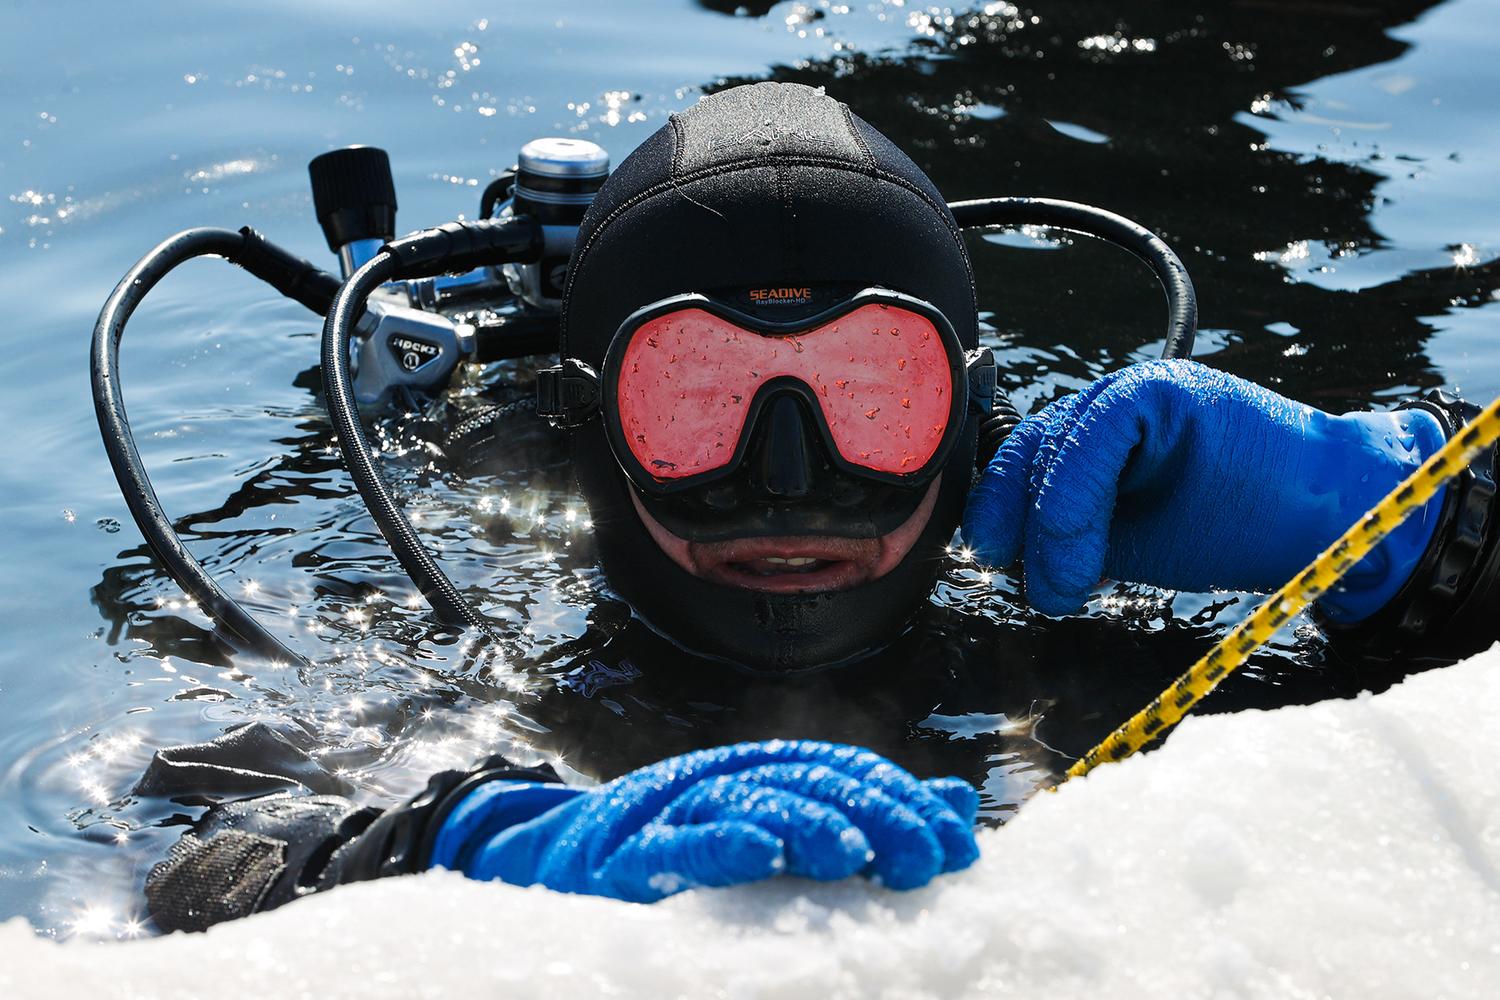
x: 881, y: 375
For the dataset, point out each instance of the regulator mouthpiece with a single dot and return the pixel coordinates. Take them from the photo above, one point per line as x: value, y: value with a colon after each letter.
x: 354, y: 197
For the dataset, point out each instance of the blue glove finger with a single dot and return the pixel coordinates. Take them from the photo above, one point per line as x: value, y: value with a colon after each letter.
x: 908, y: 853
x: 953, y: 830
x: 661, y: 860
x: 866, y: 766
x: 995, y: 516
x: 961, y: 797
x: 949, y: 816
x: 612, y: 813
x: 954, y: 834
x: 1075, y: 481
x: 818, y: 841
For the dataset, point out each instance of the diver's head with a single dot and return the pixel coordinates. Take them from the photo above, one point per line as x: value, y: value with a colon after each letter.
x: 776, y: 303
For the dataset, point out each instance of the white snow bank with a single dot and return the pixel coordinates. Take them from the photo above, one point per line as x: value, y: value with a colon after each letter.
x: 1348, y: 849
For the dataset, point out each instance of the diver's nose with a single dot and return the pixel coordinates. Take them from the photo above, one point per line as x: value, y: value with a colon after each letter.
x: 788, y: 462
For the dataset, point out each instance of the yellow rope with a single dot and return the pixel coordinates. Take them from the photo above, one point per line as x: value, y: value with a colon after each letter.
x: 1235, y: 648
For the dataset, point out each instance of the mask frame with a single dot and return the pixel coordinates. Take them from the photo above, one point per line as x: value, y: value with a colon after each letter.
x: 572, y: 393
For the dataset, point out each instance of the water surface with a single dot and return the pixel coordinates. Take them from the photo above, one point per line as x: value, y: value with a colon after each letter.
x: 1327, y: 171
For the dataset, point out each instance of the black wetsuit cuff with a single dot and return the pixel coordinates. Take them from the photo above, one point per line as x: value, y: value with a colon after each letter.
x: 400, y: 840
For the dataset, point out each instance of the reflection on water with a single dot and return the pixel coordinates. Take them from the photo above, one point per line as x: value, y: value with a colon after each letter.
x: 1319, y: 168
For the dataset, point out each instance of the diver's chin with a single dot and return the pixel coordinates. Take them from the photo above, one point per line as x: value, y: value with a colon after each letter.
x: 793, y: 564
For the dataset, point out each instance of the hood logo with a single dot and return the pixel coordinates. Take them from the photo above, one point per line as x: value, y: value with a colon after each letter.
x: 781, y: 296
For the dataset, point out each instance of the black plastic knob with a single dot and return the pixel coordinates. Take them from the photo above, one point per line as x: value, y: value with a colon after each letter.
x: 354, y: 195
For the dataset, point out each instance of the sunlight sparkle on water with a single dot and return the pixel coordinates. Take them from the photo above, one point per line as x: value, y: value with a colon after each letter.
x: 93, y: 921
x: 1291, y: 253
x: 1117, y: 43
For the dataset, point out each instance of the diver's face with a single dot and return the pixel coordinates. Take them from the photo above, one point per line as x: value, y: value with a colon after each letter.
x: 793, y: 564
x: 785, y: 456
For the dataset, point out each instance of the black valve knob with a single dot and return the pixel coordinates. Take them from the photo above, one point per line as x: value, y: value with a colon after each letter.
x: 354, y: 195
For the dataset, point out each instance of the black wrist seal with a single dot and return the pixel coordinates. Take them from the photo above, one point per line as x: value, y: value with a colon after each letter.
x: 399, y: 841
x: 1450, y: 606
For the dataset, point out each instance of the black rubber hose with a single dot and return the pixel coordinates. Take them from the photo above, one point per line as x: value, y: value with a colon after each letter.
x: 516, y: 336
x: 1182, y: 301
x: 119, y: 443
x: 453, y: 246
x: 297, y: 279
x: 429, y: 579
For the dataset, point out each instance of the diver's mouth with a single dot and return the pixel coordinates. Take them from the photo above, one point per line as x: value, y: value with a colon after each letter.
x: 793, y: 564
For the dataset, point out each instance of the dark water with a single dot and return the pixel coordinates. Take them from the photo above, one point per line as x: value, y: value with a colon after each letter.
x: 1327, y: 170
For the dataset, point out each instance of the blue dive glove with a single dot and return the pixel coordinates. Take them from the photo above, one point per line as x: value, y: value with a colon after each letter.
x: 714, y: 818
x: 1178, y: 475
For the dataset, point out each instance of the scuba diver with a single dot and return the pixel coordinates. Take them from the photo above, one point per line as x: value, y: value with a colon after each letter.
x: 779, y: 412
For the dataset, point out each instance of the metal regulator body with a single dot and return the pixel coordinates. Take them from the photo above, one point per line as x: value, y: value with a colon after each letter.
x: 416, y: 332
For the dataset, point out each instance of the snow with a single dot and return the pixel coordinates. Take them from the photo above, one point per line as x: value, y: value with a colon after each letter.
x: 1346, y: 849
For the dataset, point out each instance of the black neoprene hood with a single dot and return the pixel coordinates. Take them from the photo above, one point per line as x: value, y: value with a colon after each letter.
x: 770, y: 185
